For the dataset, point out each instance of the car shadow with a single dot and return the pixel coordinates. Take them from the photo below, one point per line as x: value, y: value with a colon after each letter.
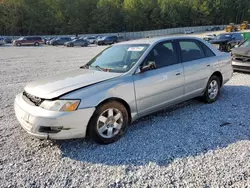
x: 188, y: 129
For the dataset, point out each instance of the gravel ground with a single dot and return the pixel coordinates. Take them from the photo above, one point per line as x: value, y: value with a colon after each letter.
x: 189, y: 145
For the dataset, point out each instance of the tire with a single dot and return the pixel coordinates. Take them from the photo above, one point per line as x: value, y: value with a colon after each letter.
x: 36, y: 44
x: 212, y: 90
x: 18, y: 44
x: 102, y: 128
x: 71, y: 45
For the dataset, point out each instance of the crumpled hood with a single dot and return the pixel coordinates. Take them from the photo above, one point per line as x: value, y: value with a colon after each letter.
x: 219, y: 41
x: 241, y: 51
x: 54, y: 86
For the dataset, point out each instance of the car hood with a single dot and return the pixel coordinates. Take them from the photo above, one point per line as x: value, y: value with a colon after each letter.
x: 241, y: 51
x: 55, y: 86
x: 218, y: 41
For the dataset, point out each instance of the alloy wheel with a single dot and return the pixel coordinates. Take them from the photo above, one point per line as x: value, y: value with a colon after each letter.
x: 109, y: 123
x: 213, y: 89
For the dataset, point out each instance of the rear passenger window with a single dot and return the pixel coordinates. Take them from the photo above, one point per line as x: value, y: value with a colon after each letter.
x: 190, y: 50
x: 208, y: 52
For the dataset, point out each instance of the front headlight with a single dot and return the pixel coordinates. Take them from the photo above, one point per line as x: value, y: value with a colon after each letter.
x: 60, y: 105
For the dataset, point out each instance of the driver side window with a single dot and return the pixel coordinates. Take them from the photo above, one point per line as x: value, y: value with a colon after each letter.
x: 162, y: 55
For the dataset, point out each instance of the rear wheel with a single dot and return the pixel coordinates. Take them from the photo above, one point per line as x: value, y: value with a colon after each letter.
x: 212, y: 90
x: 71, y: 45
x: 18, y: 44
x: 36, y: 44
x: 109, y: 123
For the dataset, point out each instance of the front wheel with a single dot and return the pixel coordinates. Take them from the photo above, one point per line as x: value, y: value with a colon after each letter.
x: 36, y: 44
x: 212, y: 90
x: 109, y: 123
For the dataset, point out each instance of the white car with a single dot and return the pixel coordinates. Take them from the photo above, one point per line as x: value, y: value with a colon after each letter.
x: 2, y: 41
x: 209, y: 37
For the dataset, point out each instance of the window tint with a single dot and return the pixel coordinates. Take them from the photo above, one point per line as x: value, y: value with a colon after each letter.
x: 162, y: 55
x: 190, y: 50
x: 207, y: 50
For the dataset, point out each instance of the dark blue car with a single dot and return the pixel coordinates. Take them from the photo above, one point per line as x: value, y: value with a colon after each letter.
x: 226, y: 41
x: 107, y: 40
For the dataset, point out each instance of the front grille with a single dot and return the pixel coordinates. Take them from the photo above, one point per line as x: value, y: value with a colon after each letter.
x: 242, y: 58
x: 33, y: 99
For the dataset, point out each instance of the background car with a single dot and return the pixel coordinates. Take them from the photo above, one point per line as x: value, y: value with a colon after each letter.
x: 7, y: 40
x: 226, y: 41
x: 107, y: 40
x: 25, y: 41
x: 209, y: 37
x: 49, y: 39
x: 2, y: 42
x: 92, y: 40
x: 188, y: 31
x: 77, y: 42
x: 241, y: 56
x: 216, y: 28
x: 60, y: 41
x: 45, y: 40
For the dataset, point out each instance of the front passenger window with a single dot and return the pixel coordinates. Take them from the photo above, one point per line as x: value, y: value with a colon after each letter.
x: 162, y: 55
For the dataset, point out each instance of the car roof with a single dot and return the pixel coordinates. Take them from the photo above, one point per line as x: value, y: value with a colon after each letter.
x: 157, y: 39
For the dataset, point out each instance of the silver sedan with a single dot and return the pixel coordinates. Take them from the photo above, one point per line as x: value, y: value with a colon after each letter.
x: 123, y: 83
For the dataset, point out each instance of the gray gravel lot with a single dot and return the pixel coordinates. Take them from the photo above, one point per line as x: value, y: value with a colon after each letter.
x: 188, y: 145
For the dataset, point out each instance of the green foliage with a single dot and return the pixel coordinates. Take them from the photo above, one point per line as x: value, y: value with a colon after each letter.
x: 37, y: 17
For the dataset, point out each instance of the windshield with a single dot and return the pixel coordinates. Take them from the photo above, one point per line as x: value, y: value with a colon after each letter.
x: 245, y: 44
x: 118, y: 58
x: 224, y: 36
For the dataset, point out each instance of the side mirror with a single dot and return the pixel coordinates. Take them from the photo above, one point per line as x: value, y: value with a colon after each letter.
x: 151, y: 65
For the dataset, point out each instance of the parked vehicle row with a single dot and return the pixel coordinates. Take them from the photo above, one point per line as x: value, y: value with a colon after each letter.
x: 66, y: 41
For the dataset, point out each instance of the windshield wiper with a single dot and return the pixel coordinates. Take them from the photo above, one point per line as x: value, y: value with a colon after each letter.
x: 98, y: 67
x: 84, y: 67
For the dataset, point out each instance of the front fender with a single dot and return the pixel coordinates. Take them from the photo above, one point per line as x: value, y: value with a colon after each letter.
x: 120, y: 87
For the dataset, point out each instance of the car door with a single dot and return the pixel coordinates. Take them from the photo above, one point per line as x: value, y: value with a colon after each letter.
x: 197, y: 66
x: 163, y: 83
x: 25, y: 41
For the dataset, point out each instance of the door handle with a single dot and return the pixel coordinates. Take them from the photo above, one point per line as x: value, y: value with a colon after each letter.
x: 208, y: 65
x: 178, y: 73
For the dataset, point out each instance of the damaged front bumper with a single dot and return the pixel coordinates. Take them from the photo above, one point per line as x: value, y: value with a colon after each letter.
x: 45, y: 124
x: 241, y: 66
